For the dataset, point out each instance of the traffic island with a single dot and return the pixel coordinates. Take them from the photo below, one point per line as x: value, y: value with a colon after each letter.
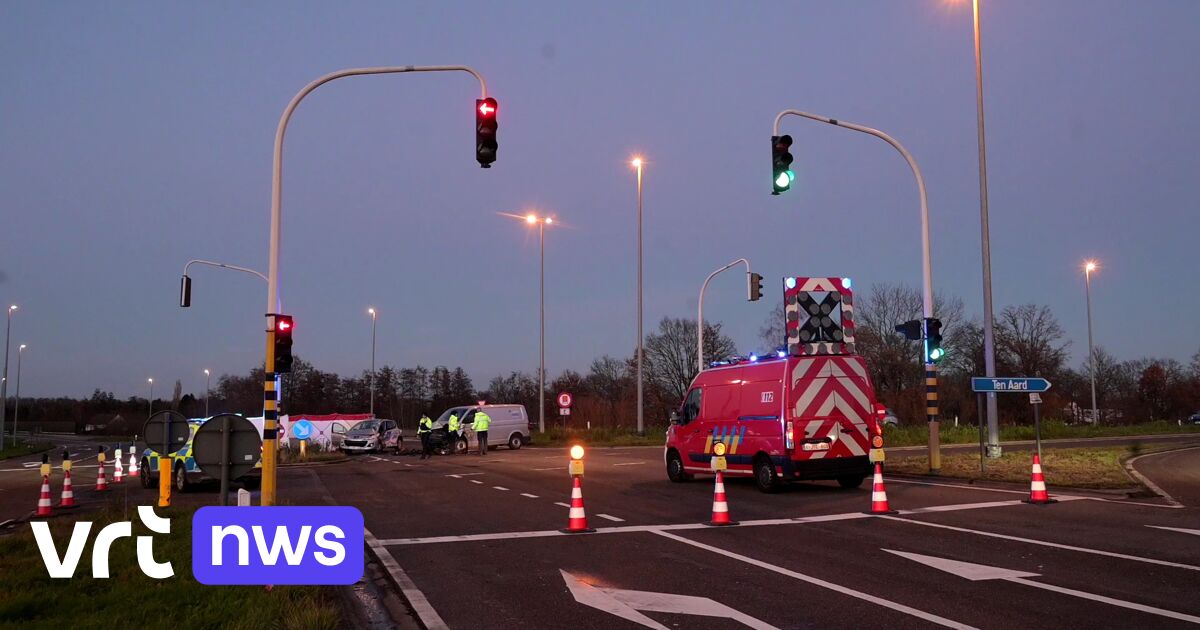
x: 1080, y: 468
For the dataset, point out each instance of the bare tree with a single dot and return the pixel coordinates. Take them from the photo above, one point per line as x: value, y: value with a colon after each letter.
x: 1033, y: 340
x: 773, y: 333
x: 670, y: 353
x: 894, y: 361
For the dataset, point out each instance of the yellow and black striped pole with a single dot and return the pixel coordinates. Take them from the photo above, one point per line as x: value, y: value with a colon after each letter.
x: 270, y: 418
x: 931, y: 415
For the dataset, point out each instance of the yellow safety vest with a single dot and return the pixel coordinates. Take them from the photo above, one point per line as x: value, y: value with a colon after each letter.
x: 453, y: 423
x: 482, y: 420
x: 426, y: 425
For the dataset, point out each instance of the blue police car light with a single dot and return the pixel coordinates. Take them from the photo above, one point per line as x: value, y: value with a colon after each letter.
x: 790, y: 283
x: 846, y: 282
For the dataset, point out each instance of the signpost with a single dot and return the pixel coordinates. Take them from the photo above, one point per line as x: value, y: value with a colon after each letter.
x: 166, y: 432
x: 565, y: 400
x: 227, y: 446
x: 302, y: 430
x: 1031, y: 385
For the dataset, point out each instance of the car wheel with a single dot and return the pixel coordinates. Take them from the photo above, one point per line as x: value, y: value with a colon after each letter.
x: 675, y: 470
x: 181, y: 480
x: 764, y: 475
x: 147, y: 482
x: 514, y: 441
x: 850, y: 482
x: 460, y: 447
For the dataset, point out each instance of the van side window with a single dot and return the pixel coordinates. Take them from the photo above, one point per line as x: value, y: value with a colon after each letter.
x: 691, y: 407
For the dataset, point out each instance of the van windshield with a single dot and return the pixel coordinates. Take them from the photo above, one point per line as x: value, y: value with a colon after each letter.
x: 445, y: 417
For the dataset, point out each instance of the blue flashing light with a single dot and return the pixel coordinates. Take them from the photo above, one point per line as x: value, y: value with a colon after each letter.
x: 753, y: 357
x: 781, y: 353
x: 846, y: 282
x: 790, y: 283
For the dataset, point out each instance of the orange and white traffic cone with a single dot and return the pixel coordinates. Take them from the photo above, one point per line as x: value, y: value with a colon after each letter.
x: 720, y: 508
x: 577, y: 518
x: 133, y: 469
x: 1037, y: 485
x: 43, y: 507
x: 68, y: 494
x: 101, y: 482
x: 118, y: 474
x: 879, y: 500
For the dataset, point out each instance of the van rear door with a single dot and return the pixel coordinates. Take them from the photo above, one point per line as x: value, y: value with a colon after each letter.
x: 831, y: 405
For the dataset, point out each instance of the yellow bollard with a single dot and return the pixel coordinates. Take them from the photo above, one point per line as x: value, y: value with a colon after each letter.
x: 303, y: 450
x: 164, y: 481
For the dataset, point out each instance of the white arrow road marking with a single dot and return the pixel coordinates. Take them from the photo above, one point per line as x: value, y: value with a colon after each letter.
x: 1194, y: 532
x: 976, y: 572
x: 626, y: 604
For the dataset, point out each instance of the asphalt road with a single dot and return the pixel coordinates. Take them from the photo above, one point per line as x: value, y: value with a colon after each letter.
x: 1176, y: 473
x: 475, y: 542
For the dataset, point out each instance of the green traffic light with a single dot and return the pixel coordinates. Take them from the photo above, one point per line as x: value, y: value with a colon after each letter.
x: 785, y: 179
x: 936, y: 354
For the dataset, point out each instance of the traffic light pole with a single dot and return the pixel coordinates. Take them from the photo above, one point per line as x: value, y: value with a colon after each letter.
x: 270, y: 400
x: 931, y: 398
x: 700, y: 311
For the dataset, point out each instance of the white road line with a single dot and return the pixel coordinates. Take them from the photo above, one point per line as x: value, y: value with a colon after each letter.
x: 502, y: 488
x: 531, y: 496
x: 455, y: 476
x: 477, y: 481
x: 629, y: 464
x: 1150, y: 484
x: 466, y: 474
x: 1194, y: 532
x: 611, y: 518
x: 420, y: 605
x: 554, y: 468
x: 1108, y: 600
x: 837, y: 588
x: 566, y: 505
x: 1055, y: 495
x: 1098, y: 552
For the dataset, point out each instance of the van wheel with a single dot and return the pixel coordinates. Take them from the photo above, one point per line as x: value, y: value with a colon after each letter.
x: 850, y: 482
x: 675, y: 470
x: 147, y: 482
x: 181, y: 480
x: 514, y: 442
x: 764, y: 475
x: 460, y: 446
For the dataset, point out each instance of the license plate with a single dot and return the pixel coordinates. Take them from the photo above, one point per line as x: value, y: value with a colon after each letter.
x: 876, y: 455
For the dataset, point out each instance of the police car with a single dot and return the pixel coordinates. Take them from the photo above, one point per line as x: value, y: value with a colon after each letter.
x: 184, y: 472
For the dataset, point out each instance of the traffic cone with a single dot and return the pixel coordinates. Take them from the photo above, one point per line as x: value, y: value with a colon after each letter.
x: 133, y: 469
x: 118, y: 474
x: 101, y: 482
x: 43, y: 508
x: 68, y: 494
x: 1037, y: 485
x: 720, y: 509
x: 879, y: 500
x: 577, y: 517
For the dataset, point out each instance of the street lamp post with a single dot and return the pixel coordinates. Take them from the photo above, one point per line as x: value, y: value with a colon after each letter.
x: 270, y: 398
x: 151, y: 381
x: 4, y: 383
x: 637, y: 163
x: 541, y: 222
x: 207, y: 391
x: 371, y: 312
x: 989, y: 343
x: 1087, y: 282
x: 931, y: 404
x: 17, y: 404
x: 700, y: 311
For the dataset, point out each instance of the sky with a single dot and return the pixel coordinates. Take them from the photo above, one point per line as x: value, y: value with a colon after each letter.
x: 136, y: 136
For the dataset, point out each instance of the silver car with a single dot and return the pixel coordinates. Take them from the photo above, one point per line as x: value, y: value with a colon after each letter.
x: 372, y: 436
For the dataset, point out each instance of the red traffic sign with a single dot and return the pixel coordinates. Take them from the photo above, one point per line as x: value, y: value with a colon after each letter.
x: 565, y: 400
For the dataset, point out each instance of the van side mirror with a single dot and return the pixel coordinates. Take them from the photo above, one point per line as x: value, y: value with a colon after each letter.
x: 674, y: 417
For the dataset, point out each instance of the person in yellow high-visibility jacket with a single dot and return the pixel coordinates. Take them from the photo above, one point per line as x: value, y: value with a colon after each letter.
x: 424, y: 428
x: 453, y: 426
x: 482, y: 422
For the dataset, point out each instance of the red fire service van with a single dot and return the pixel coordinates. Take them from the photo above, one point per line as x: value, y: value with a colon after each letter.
x: 807, y: 412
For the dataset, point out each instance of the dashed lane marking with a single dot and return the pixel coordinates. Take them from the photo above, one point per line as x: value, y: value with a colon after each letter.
x: 611, y: 518
x: 566, y: 505
x: 629, y: 464
x: 501, y: 488
x: 554, y: 468
x: 531, y: 496
x: 476, y: 481
x: 837, y: 588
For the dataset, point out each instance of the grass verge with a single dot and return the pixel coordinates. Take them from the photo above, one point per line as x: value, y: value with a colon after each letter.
x: 1093, y: 468
x: 914, y: 435
x: 20, y: 450
x: 288, y: 456
x: 601, y: 436
x: 30, y: 598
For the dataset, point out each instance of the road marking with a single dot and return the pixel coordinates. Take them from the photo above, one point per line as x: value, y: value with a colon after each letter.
x: 611, y: 518
x: 1150, y: 484
x: 1098, y: 552
x: 554, y: 468
x: 977, y: 572
x: 502, y: 488
x: 531, y: 496
x: 566, y: 505
x: 1060, y: 497
x: 1194, y: 532
x: 920, y: 614
x: 626, y: 604
x: 629, y: 464
x: 420, y: 604
x: 461, y: 475
x: 476, y: 481
x: 455, y: 476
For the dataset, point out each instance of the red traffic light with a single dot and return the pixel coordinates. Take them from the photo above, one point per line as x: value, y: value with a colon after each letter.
x: 283, y: 324
x: 487, y: 107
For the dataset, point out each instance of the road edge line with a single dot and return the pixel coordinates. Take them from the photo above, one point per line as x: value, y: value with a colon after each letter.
x: 1144, y: 480
x: 426, y: 614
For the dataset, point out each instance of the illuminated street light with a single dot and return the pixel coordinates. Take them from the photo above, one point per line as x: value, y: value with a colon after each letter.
x: 207, y: 391
x: 151, y: 381
x: 4, y: 383
x: 371, y: 312
x: 637, y: 163
x: 1089, y: 267
x: 541, y: 222
x: 17, y: 405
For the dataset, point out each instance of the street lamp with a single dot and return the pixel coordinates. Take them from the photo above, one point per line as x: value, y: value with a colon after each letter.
x: 4, y: 383
x: 151, y: 381
x: 637, y: 163
x: 541, y: 222
x: 371, y: 312
x: 1088, y: 268
x: 17, y: 405
x: 207, y: 391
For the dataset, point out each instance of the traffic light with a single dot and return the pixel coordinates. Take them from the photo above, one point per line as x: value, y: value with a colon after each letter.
x: 781, y: 164
x: 933, y: 340
x: 910, y: 329
x: 485, y: 131
x: 754, y: 290
x: 283, y: 343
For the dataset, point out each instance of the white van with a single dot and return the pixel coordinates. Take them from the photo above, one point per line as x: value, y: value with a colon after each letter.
x: 510, y: 425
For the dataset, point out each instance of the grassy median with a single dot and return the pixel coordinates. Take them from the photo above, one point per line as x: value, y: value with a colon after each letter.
x: 913, y: 435
x: 30, y: 598
x: 1094, y: 468
x: 27, y: 448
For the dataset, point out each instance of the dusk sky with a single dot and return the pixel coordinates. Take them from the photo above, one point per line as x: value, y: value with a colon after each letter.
x: 137, y: 136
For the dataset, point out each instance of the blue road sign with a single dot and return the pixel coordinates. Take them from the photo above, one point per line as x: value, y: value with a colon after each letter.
x: 302, y: 430
x: 1009, y: 384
